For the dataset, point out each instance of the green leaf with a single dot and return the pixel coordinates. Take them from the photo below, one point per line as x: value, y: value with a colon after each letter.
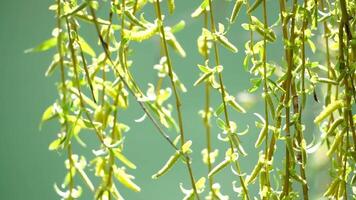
x: 178, y: 27
x: 169, y: 164
x: 333, y: 188
x: 261, y: 136
x: 298, y: 178
x: 256, y: 82
x: 221, y: 124
x: 75, y: 10
x: 94, y: 4
x: 328, y: 110
x: 186, y: 147
x: 53, y: 65
x: 263, y: 131
x: 134, y: 19
x: 236, y: 142
x: 236, y: 106
x: 49, y: 113
x: 173, y: 42
x: 44, y: 46
x: 86, y: 47
x: 144, y: 34
x: 260, y: 28
x: 333, y: 127
x: 337, y: 140
x: 90, y: 19
x: 254, y: 6
x: 203, y: 78
x: 219, y: 110
x: 235, y: 10
x: 55, y: 144
x: 171, y: 6
x: 204, y: 69
x: 203, y: 6
x: 86, y: 179
x: 326, y: 80
x: 125, y: 179
x: 312, y: 45
x: 226, y: 43
x: 252, y: 177
x: 123, y: 159
x: 271, y: 105
x: 219, y: 167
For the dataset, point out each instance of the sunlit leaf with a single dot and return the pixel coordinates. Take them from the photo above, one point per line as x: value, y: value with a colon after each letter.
x: 44, y: 46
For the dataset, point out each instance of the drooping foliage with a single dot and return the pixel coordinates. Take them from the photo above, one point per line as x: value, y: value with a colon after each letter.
x: 94, y: 87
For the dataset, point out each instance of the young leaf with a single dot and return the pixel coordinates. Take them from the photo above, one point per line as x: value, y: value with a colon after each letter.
x: 53, y: 65
x: 75, y: 10
x: 256, y: 84
x: 333, y: 187
x: 237, y: 144
x: 254, y: 6
x: 332, y: 128
x: 169, y: 164
x: 44, y: 46
x: 271, y: 105
x: 49, y: 113
x: 173, y: 42
x: 219, y: 167
x: 226, y: 43
x: 328, y: 110
x: 203, y: 6
x: 186, y: 147
x: 203, y: 78
x: 251, y: 178
x: 125, y: 179
x: 337, y: 140
x: 86, y: 179
x: 326, y: 80
x: 236, y: 10
x: 86, y: 47
x: 178, y: 27
x: 259, y: 27
x: 171, y: 6
x: 221, y: 124
x: 134, y: 20
x: 123, y: 159
x: 219, y: 110
x: 262, y: 135
x: 142, y: 35
x: 55, y: 144
x: 232, y: 102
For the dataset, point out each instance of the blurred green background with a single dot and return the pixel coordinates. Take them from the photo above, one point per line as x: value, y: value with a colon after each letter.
x: 28, y: 170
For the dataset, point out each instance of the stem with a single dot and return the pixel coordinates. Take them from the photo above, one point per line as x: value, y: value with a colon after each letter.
x: 113, y: 135
x: 131, y: 91
x: 111, y: 154
x: 251, y: 31
x: 345, y: 20
x: 265, y: 90
x: 349, y: 88
x: 207, y: 116
x: 71, y: 164
x: 64, y: 93
x: 61, y: 63
x: 176, y: 95
x: 77, y: 81
x: 299, y: 131
x: 287, y: 87
x: 223, y: 95
x: 104, y: 62
x: 347, y: 111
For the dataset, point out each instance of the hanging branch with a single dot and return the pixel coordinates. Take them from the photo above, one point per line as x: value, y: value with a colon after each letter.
x: 176, y: 95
